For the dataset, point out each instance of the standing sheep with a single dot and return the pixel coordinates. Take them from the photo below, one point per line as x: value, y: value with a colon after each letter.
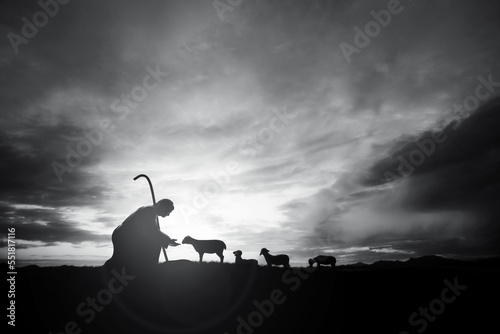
x: 323, y: 259
x: 278, y: 260
x: 206, y: 246
x: 239, y: 260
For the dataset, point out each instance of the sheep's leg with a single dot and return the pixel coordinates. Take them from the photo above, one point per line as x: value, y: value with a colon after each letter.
x: 221, y: 257
x: 201, y: 256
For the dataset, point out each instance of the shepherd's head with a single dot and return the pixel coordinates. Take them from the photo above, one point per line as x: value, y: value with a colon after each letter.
x: 164, y: 207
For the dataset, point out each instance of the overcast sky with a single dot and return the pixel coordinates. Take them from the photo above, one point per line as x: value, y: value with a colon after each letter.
x: 270, y: 124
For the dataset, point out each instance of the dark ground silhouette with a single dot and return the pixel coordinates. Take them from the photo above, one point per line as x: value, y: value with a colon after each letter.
x: 187, y: 297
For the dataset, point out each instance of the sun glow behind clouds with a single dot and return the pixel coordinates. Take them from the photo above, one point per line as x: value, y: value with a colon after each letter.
x: 225, y: 81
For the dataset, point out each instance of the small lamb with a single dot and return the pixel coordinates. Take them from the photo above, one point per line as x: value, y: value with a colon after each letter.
x: 239, y: 260
x: 278, y: 260
x: 206, y: 246
x: 323, y: 259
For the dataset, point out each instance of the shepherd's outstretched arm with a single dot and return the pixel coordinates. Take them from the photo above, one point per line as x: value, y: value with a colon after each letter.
x: 165, y: 240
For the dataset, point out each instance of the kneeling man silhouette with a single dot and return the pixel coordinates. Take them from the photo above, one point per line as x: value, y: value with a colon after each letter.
x: 138, y: 240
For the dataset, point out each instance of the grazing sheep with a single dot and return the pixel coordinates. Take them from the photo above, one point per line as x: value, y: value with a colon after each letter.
x: 239, y: 260
x: 323, y: 259
x: 206, y: 246
x: 281, y: 259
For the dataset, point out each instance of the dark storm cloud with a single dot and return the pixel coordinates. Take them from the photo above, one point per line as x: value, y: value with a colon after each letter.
x: 432, y: 36
x: 459, y: 173
x: 34, y: 133
x: 4, y: 243
x: 448, y: 205
x: 411, y: 61
x: 45, y: 225
x: 29, y: 178
x: 81, y: 44
x: 224, y: 82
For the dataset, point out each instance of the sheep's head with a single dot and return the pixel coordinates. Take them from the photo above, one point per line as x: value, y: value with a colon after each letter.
x: 187, y: 240
x: 264, y: 251
x: 311, y: 262
x: 237, y: 253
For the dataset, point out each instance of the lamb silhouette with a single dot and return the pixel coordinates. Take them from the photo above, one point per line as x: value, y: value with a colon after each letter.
x: 279, y: 260
x: 323, y: 259
x: 206, y: 246
x: 239, y: 260
x: 137, y: 242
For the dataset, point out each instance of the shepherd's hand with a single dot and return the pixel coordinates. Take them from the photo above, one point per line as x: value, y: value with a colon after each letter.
x: 173, y: 242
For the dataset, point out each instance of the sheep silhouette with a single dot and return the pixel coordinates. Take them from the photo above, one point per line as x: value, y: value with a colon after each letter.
x: 323, y: 259
x: 279, y: 260
x: 239, y: 260
x: 206, y: 246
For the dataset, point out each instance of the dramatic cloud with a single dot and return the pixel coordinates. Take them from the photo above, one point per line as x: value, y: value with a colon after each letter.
x: 426, y: 197
x: 37, y: 223
x: 258, y: 126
